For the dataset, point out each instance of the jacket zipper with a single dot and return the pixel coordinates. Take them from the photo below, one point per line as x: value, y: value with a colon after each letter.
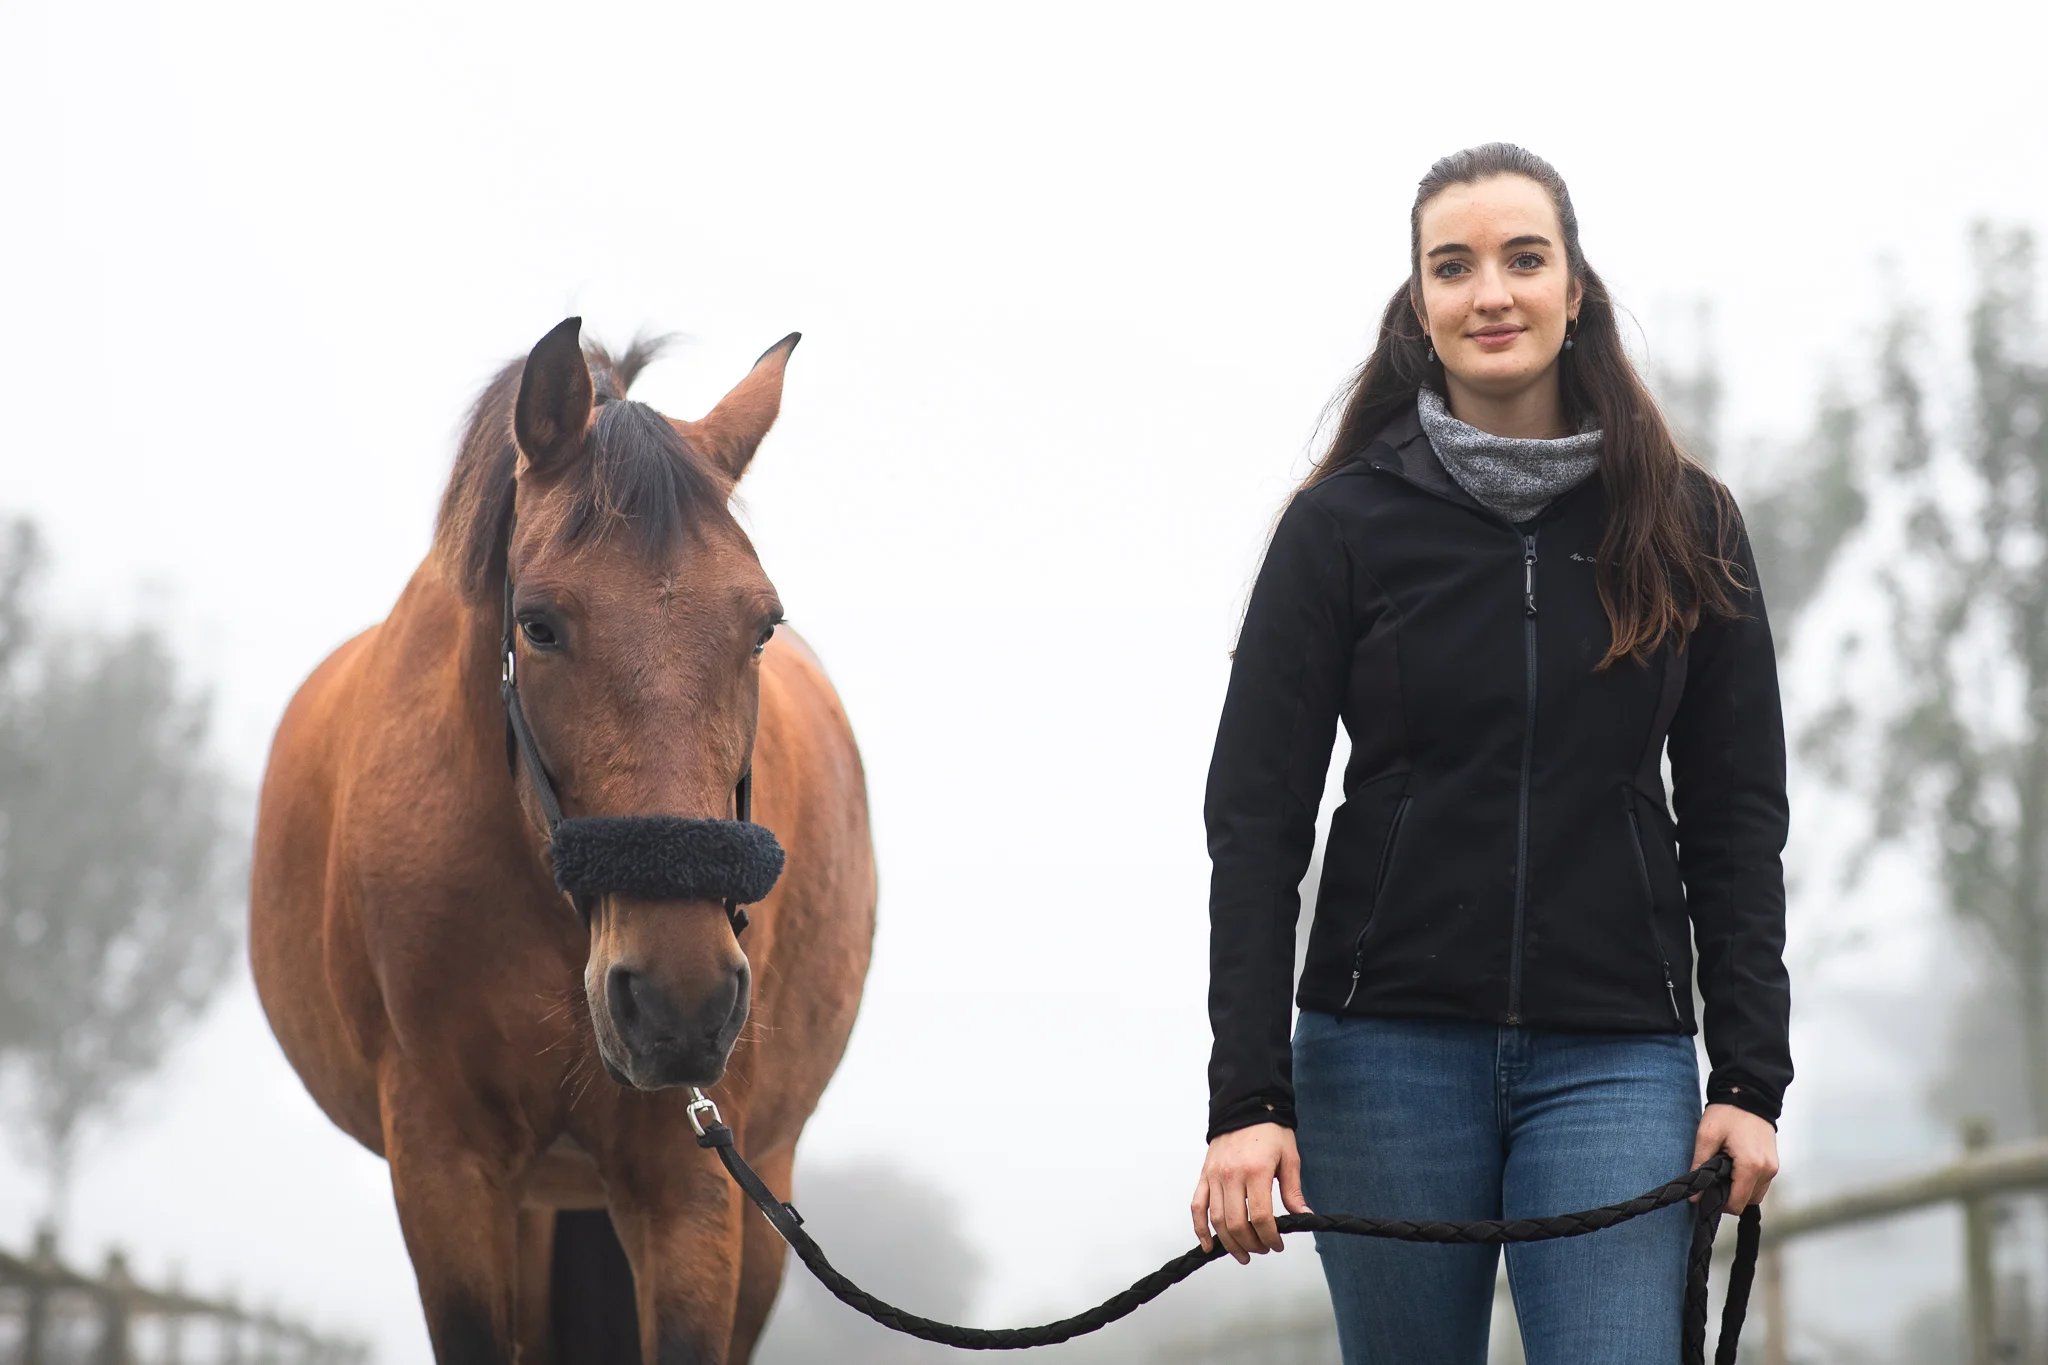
x: 1514, y: 1014
x: 1528, y: 755
x: 1635, y: 830
x: 1379, y: 882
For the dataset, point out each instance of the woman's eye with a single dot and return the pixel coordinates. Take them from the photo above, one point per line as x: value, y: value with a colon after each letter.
x: 539, y: 634
x: 1450, y: 270
x: 1528, y: 260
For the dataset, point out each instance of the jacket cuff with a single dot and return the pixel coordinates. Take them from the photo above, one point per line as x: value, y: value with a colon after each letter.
x: 1744, y: 1096
x: 1245, y: 1113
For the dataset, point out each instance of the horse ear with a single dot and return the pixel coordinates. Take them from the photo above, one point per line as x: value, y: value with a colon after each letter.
x: 552, y: 415
x: 731, y: 432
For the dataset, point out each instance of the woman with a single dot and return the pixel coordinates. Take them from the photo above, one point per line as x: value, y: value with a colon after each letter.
x: 1516, y: 592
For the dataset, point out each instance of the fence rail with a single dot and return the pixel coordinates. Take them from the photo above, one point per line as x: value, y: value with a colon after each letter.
x: 52, y: 1314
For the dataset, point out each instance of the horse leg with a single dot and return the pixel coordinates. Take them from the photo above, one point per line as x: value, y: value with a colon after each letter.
x: 762, y: 1257
x: 534, y: 1328
x: 683, y: 1236
x: 460, y: 1220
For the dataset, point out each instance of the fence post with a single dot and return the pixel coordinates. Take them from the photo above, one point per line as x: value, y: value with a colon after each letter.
x: 1777, y: 1329
x: 35, y: 1315
x: 231, y: 1333
x: 1980, y: 1298
x: 267, y: 1339
x: 113, y: 1346
x: 172, y: 1350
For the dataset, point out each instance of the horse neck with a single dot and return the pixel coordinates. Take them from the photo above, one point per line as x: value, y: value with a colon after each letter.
x: 445, y: 669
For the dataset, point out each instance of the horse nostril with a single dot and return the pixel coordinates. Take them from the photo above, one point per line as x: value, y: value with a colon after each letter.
x: 718, y: 1004
x: 621, y: 993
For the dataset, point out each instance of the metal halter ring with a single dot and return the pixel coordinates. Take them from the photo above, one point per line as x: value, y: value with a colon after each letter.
x: 700, y: 1103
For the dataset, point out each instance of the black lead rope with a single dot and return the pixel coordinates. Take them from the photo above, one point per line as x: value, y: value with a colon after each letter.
x: 1710, y: 1182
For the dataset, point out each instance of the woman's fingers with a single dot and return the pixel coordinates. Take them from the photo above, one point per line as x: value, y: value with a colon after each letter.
x: 1753, y: 1175
x: 1706, y: 1146
x: 1753, y: 1144
x: 1235, y: 1226
x: 1233, y: 1200
x: 1213, y: 1209
x: 1259, y: 1199
x: 1290, y: 1183
x: 1217, y: 1215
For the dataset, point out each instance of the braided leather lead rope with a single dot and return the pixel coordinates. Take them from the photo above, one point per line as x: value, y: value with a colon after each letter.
x: 1710, y: 1182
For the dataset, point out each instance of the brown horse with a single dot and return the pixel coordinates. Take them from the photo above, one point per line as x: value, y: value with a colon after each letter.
x: 441, y: 998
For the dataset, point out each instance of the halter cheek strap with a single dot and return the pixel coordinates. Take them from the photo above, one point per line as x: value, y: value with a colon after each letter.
x: 659, y: 857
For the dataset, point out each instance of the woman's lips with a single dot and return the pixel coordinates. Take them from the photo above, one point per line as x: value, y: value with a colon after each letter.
x: 1497, y: 338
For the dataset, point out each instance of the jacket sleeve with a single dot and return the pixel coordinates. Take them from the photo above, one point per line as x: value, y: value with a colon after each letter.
x: 1727, y: 748
x: 1266, y: 779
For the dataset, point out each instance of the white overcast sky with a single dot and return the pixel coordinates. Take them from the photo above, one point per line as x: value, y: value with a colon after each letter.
x: 1075, y: 281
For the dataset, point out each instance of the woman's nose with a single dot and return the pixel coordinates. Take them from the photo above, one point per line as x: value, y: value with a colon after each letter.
x: 1493, y: 294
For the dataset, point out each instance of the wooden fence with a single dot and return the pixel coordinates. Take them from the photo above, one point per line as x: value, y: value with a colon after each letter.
x: 51, y: 1314
x: 1976, y: 1181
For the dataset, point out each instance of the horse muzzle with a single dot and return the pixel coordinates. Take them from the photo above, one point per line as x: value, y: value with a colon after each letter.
x: 666, y: 1012
x: 664, y: 1038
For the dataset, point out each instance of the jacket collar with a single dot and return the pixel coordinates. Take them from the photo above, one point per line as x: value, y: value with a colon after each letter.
x: 1402, y: 449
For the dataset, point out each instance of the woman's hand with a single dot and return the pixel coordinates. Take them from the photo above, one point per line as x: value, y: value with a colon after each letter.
x: 1752, y: 1141
x: 1235, y: 1192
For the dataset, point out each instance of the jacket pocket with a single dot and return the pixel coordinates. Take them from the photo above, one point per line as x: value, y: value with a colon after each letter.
x: 1379, y: 884
x: 1635, y: 846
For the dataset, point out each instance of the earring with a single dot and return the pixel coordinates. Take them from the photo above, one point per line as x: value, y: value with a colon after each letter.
x: 1569, y: 328
x: 1432, y: 348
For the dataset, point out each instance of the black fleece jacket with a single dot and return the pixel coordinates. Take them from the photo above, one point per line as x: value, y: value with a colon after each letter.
x: 1505, y: 852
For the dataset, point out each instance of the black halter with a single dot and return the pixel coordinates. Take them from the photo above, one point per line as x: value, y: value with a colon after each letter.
x: 659, y: 857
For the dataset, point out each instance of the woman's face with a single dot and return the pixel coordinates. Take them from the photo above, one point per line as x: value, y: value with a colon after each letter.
x: 1496, y: 292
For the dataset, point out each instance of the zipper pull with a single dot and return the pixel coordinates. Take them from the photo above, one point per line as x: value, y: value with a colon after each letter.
x: 1357, y: 967
x: 1529, y: 574
x: 1672, y: 991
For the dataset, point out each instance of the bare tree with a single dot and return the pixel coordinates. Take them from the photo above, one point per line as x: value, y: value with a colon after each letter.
x: 1691, y: 393
x: 1960, y: 757
x: 1804, y: 509
x: 21, y: 554
x: 20, y: 557
x: 1801, y: 503
x: 117, y: 863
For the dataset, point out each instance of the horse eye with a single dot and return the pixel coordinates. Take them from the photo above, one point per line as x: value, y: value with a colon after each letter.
x: 539, y: 634
x: 762, y: 643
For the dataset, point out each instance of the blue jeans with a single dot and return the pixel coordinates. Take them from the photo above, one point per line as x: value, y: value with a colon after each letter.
x: 1444, y: 1120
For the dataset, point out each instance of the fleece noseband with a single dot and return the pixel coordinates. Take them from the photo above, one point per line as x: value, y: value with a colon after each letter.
x: 655, y: 857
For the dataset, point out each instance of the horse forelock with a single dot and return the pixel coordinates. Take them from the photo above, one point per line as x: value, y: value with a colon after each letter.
x: 637, y: 476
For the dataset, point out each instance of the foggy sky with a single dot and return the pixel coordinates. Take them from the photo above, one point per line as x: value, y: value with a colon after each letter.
x: 1075, y: 282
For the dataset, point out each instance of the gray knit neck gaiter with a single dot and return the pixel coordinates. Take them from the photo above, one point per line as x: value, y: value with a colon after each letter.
x: 1515, y: 476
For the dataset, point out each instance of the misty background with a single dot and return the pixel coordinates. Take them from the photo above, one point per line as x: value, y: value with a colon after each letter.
x: 1076, y: 282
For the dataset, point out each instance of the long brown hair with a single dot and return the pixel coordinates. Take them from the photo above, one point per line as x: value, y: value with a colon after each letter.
x: 1664, y: 559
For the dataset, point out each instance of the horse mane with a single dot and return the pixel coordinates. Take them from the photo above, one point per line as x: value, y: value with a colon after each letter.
x: 637, y: 474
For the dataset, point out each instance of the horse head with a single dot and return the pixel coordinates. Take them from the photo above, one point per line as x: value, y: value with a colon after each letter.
x: 636, y: 617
